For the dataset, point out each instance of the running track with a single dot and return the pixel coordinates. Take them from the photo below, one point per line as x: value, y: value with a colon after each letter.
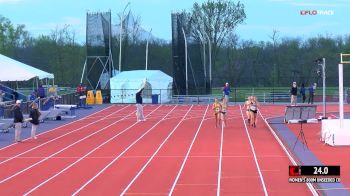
x: 177, y: 151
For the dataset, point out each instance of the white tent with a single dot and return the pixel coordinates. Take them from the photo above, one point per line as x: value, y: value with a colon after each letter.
x: 12, y: 70
x: 125, y: 85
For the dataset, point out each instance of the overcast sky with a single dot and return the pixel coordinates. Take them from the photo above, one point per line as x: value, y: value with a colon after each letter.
x: 263, y: 16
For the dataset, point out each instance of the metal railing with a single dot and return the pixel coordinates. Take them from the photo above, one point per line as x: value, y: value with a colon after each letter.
x: 154, y: 96
x: 6, y: 109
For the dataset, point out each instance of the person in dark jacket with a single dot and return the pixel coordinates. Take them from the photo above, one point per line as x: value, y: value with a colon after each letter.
x: 15, y: 95
x: 34, y: 119
x: 294, y: 93
x: 312, y: 89
x: 18, y: 119
x: 139, y: 108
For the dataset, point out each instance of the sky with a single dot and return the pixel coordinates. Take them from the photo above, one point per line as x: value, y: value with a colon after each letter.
x: 291, y: 18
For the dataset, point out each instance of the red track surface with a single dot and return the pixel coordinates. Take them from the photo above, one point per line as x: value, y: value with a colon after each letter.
x: 328, y: 155
x: 177, y: 150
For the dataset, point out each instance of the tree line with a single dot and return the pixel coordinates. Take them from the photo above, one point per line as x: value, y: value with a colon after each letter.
x: 244, y: 63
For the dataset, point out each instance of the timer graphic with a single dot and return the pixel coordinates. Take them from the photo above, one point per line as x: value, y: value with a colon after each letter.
x: 314, y: 170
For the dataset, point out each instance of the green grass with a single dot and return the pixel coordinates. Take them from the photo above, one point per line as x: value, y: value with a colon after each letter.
x: 240, y: 94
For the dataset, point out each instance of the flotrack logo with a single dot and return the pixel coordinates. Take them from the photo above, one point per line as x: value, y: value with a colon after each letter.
x: 317, y: 12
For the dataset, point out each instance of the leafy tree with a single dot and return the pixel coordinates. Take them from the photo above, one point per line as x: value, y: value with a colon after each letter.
x: 218, y: 19
x: 12, y: 37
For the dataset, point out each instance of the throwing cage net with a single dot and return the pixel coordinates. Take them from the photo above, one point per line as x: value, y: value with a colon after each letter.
x: 198, y: 82
x: 98, y: 65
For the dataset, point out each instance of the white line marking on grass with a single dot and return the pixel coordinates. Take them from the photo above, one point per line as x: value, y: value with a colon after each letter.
x: 86, y: 117
x: 253, y: 150
x: 311, y: 188
x: 90, y: 152
x: 154, y: 154
x: 187, y: 154
x: 74, y: 130
x: 121, y: 154
x: 63, y: 149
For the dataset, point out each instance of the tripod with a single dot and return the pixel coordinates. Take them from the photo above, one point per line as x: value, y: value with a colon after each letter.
x: 301, y: 135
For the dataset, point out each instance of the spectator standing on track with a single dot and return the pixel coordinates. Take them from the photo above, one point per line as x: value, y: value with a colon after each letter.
x: 293, y: 93
x: 34, y: 119
x: 18, y: 119
x: 302, y: 92
x: 312, y: 89
x: 217, y: 109
x: 139, y: 101
x: 247, y: 107
x: 226, y: 91
x: 41, y: 91
x: 254, y: 104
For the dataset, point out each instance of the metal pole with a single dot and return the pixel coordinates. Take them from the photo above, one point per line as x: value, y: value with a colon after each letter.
x: 203, y: 43
x: 120, y: 43
x: 341, y: 94
x: 147, y: 49
x: 110, y: 64
x: 204, y: 66
x: 209, y: 58
x: 183, y: 31
x: 120, y: 37
x: 324, y: 86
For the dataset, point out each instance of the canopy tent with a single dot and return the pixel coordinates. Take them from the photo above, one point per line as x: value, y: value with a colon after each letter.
x: 125, y: 85
x: 12, y: 70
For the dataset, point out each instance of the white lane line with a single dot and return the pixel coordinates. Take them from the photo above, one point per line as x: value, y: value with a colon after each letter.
x: 220, y: 160
x: 154, y: 154
x: 86, y: 117
x: 63, y: 149
x: 74, y: 130
x: 309, y: 185
x: 146, y: 156
x: 253, y: 150
x: 121, y: 154
x: 187, y: 154
x: 90, y: 152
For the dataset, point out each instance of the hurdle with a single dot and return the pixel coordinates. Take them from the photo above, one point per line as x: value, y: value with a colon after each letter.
x: 336, y: 132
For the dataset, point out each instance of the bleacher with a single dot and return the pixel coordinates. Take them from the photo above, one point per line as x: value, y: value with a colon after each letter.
x: 9, y: 94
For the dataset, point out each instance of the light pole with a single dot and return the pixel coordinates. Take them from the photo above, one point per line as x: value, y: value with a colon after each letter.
x: 183, y: 32
x: 322, y: 63
x: 120, y: 37
x: 204, y: 66
x: 324, y: 86
x: 209, y: 58
x: 147, y: 48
